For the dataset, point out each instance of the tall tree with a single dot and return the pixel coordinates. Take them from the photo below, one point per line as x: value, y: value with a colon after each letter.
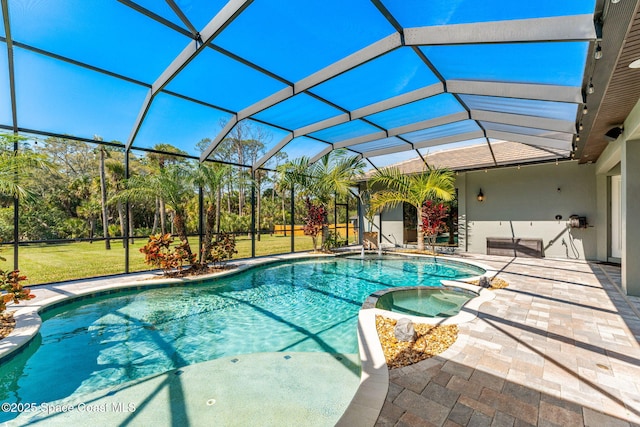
x: 416, y: 189
x: 173, y: 184
x: 102, y: 151
x: 210, y: 177
x: 332, y: 176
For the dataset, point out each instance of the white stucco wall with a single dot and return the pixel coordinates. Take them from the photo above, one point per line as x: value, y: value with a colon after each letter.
x: 523, y: 203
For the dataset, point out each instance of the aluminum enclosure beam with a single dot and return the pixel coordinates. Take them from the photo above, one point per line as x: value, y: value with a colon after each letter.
x: 384, y: 151
x: 449, y: 139
x: 279, y: 146
x: 537, y: 141
x: 525, y: 121
x: 438, y: 121
x: 321, y: 154
x: 561, y: 28
x: 570, y: 94
x: 219, y: 22
x: 397, y: 101
x: 360, y: 57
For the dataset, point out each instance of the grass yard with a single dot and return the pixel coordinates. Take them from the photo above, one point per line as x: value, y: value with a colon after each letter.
x: 44, y: 263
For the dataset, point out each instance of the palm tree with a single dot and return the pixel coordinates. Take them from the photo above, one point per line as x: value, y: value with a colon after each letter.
x: 211, y: 178
x: 16, y: 167
x: 103, y: 194
x: 332, y: 176
x: 431, y: 184
x: 173, y: 185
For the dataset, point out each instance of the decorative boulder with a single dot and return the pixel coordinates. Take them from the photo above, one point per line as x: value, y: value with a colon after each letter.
x: 404, y: 330
x: 484, y: 282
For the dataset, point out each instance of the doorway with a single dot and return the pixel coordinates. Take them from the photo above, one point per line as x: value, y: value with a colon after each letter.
x: 616, y: 218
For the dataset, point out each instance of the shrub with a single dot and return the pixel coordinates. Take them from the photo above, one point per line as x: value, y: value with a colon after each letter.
x: 433, y: 221
x: 159, y: 253
x: 222, y: 249
x: 314, y: 221
x: 12, y: 289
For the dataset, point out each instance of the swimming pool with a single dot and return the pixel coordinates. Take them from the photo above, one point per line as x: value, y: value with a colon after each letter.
x: 301, y: 306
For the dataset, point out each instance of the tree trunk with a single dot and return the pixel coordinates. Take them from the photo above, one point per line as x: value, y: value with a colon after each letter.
x: 156, y: 216
x: 120, y: 209
x: 181, y: 231
x: 163, y: 217
x: 103, y: 202
x: 258, y: 203
x: 209, y: 225
x: 218, y: 206
x: 284, y: 216
x: 420, y: 231
x: 92, y: 229
x: 130, y: 223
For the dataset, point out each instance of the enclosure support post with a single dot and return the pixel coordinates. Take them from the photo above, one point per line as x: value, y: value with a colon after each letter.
x: 16, y: 204
x: 126, y: 216
x: 293, y: 221
x: 360, y: 216
x: 253, y: 215
x: 200, y: 221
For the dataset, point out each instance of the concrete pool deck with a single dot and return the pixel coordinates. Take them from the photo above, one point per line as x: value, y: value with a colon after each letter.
x: 559, y: 346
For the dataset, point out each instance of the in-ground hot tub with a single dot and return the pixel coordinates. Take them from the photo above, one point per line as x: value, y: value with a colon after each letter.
x: 426, y: 301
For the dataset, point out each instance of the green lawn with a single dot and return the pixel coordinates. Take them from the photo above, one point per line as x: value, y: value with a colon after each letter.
x: 44, y: 263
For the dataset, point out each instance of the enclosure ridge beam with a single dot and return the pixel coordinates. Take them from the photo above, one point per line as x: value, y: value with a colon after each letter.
x: 219, y: 22
x: 559, y: 28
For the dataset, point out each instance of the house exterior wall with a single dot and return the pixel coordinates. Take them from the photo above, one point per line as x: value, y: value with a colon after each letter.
x: 523, y: 203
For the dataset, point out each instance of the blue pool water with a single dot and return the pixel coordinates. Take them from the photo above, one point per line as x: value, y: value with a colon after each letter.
x: 306, y: 306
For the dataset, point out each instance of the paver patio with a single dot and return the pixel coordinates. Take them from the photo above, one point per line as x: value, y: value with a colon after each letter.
x: 558, y: 347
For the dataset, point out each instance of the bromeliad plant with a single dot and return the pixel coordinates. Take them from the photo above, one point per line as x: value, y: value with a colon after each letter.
x: 12, y: 289
x: 160, y: 253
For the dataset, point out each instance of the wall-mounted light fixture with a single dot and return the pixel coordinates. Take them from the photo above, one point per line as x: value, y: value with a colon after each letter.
x: 480, y: 196
x: 598, y: 52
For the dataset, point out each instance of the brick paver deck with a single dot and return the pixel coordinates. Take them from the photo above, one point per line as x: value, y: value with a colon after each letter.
x: 558, y: 347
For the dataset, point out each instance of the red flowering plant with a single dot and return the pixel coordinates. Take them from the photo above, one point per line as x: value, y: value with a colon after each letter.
x: 11, y: 288
x: 434, y: 217
x: 160, y: 253
x: 315, y: 221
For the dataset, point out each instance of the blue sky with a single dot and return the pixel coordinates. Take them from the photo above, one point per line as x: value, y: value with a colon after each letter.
x: 292, y: 39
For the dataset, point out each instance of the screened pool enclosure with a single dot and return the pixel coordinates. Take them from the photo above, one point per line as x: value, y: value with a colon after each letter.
x: 109, y: 92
